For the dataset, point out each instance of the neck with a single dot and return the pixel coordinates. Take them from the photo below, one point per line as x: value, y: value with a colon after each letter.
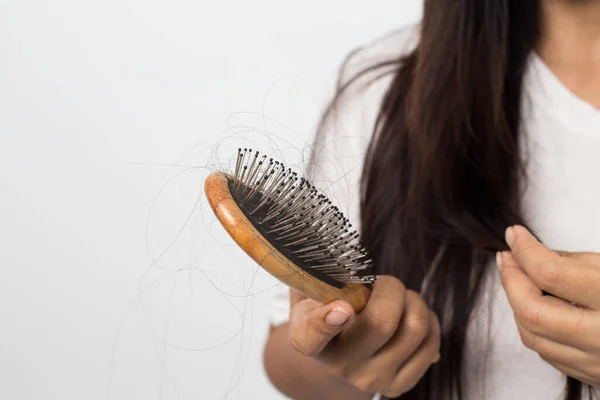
x: 570, y: 44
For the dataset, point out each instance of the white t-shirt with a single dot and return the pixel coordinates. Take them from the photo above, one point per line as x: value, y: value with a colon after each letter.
x: 561, y: 145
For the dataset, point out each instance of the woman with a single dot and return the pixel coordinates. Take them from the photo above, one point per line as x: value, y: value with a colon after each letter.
x: 489, y: 117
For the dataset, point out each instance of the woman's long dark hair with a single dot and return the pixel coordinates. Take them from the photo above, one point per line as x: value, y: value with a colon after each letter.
x: 442, y: 174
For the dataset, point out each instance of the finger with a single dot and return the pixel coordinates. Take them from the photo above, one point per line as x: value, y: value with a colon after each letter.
x: 377, y: 323
x: 415, y: 367
x: 583, y: 256
x: 519, y: 287
x: 565, y: 277
x: 547, y: 316
x: 295, y: 298
x: 552, y: 351
x: 575, y: 372
x: 313, y: 325
x: 592, y: 261
x: 413, y: 331
x: 525, y: 247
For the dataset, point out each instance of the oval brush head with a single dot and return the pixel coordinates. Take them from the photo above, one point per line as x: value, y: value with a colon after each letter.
x: 291, y: 229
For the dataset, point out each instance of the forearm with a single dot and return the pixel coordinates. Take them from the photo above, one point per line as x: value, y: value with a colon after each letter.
x: 300, y: 377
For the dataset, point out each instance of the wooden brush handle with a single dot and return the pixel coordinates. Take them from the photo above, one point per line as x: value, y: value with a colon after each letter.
x: 268, y: 257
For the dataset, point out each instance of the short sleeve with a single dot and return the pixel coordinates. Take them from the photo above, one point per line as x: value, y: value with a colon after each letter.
x: 280, y: 305
x: 339, y: 148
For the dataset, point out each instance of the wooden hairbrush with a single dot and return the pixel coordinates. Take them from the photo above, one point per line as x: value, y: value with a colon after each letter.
x: 291, y: 230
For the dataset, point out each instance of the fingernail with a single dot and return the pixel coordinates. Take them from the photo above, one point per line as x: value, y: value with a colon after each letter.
x: 337, y: 316
x: 509, y: 235
x: 506, y: 258
x: 499, y: 260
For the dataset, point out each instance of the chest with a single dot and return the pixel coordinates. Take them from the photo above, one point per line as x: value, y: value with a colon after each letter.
x: 561, y: 199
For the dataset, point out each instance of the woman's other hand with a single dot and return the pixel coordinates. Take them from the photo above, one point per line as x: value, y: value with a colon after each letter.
x: 564, y: 330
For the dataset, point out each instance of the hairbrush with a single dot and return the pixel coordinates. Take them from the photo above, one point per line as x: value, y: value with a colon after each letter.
x: 291, y: 229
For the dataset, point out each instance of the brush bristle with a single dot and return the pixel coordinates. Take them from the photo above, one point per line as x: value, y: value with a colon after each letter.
x: 299, y: 221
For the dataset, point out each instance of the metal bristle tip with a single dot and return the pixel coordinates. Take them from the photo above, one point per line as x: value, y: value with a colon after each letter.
x: 297, y: 220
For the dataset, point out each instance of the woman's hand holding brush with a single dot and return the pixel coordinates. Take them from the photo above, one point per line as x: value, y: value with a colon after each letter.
x: 386, y: 348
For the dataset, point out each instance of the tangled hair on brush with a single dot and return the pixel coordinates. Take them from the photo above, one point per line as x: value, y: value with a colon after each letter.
x: 442, y: 174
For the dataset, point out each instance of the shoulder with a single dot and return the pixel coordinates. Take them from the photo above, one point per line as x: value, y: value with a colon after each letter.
x: 363, y: 80
x: 356, y: 98
x: 391, y: 46
x: 340, y: 146
x: 366, y: 72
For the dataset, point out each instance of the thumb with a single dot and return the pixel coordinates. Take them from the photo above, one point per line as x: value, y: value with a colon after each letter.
x: 313, y: 325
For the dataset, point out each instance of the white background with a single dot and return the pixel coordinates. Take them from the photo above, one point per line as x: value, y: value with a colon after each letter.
x: 115, y: 283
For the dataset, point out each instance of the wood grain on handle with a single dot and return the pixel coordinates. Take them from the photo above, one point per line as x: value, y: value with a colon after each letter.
x: 268, y: 257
